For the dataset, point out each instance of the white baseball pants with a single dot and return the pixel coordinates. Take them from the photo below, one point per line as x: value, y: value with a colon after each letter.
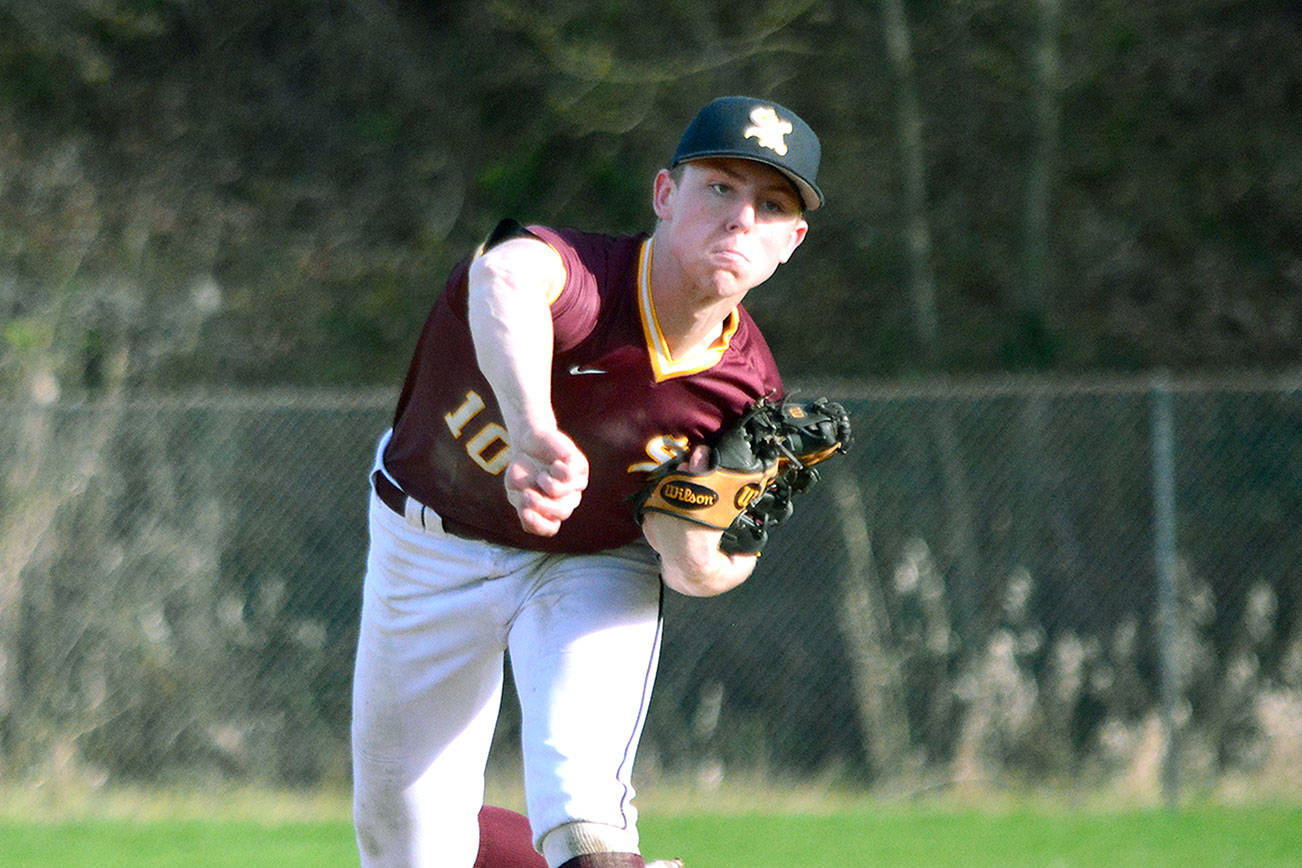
x: 438, y: 613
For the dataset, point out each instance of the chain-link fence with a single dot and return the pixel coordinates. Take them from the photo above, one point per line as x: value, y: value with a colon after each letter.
x: 973, y: 594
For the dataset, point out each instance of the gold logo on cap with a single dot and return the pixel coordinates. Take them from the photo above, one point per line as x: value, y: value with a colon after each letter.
x: 768, y: 129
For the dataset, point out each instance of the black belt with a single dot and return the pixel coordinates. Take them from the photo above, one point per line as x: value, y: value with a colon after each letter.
x: 396, y: 499
x: 390, y: 495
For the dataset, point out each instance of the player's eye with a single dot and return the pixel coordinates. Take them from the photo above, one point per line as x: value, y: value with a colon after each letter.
x: 720, y: 187
x: 778, y: 207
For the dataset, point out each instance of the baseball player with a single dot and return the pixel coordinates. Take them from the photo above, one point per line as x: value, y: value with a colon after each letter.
x: 556, y: 374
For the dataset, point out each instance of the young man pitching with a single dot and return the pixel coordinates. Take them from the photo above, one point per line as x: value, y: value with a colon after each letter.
x: 555, y: 374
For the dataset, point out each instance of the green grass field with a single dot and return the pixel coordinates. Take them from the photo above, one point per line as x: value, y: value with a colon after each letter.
x: 849, y: 838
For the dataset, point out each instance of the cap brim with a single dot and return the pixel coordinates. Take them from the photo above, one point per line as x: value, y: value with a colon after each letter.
x: 810, y: 196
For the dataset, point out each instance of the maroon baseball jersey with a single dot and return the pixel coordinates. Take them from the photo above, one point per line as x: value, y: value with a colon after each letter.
x: 616, y: 391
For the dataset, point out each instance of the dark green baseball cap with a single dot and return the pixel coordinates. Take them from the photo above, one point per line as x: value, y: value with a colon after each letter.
x: 755, y: 129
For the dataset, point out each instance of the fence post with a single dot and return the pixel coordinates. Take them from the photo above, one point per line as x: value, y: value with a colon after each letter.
x: 1164, y: 535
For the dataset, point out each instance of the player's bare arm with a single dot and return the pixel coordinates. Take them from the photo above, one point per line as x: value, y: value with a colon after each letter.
x: 691, y: 561
x: 511, y: 287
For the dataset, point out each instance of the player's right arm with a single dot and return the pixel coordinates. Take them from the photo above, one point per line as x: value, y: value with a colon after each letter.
x: 511, y: 287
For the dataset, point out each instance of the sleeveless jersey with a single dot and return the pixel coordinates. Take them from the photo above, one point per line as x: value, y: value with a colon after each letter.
x: 616, y: 391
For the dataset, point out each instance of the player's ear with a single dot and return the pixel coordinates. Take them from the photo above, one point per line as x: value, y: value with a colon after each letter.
x: 662, y: 191
x: 798, y: 233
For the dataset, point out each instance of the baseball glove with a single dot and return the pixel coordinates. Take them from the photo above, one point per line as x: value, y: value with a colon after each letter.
x: 806, y: 434
x: 757, y: 465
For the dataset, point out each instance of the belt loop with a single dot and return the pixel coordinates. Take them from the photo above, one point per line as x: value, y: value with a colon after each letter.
x: 435, y: 520
x: 412, y: 510
x: 421, y: 516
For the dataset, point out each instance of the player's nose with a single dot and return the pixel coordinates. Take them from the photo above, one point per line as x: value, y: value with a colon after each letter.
x: 742, y: 216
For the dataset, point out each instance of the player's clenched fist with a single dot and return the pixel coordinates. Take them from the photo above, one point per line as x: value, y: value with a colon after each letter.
x: 545, y: 480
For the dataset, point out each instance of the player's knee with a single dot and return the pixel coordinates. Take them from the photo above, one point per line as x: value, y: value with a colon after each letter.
x: 505, y: 840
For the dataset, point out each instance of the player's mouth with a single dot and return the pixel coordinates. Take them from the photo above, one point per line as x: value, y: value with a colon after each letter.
x: 730, y: 254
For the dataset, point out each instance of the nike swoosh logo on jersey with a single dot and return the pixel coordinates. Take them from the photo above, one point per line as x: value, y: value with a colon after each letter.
x: 585, y: 369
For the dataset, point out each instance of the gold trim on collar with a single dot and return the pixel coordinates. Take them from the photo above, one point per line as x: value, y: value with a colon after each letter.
x: 663, y: 364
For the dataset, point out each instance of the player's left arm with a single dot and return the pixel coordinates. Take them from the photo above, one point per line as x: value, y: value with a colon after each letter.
x: 710, y: 516
x: 691, y: 560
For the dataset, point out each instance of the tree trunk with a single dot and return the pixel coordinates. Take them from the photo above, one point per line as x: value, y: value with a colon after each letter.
x: 917, y: 233
x: 874, y: 666
x: 42, y: 479
x: 1034, y: 288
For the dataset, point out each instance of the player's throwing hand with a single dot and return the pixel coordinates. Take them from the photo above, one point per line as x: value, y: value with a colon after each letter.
x: 545, y: 480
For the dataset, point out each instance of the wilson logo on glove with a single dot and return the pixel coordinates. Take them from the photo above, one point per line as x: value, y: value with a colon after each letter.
x: 689, y: 495
x: 746, y: 495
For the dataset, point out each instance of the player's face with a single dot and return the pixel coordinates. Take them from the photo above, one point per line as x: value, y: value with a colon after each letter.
x: 728, y: 223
